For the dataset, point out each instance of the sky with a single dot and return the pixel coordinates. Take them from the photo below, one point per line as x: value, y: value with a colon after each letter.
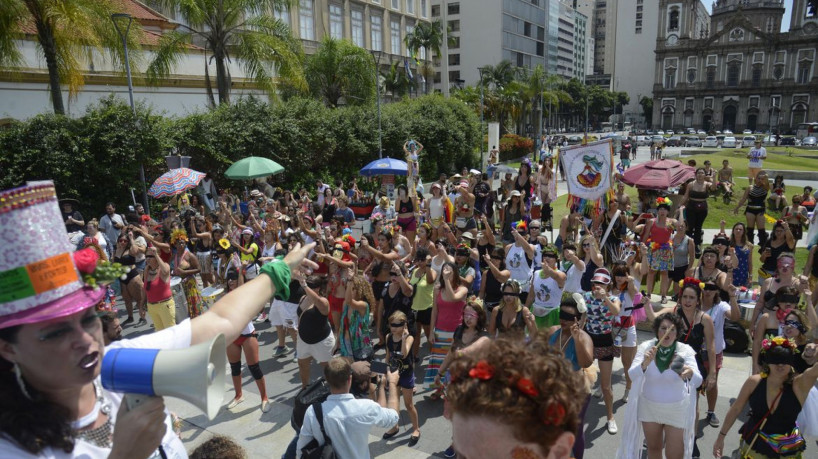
x: 785, y: 22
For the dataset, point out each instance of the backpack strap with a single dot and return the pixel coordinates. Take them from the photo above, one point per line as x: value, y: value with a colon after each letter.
x: 319, y: 415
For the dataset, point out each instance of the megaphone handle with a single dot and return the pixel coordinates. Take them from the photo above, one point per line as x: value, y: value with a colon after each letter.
x: 131, y: 401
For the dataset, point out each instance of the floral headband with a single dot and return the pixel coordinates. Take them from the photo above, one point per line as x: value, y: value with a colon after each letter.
x: 691, y: 281
x: 665, y: 201
x: 474, y: 299
x: 779, y: 341
x: 484, y: 371
x: 177, y: 235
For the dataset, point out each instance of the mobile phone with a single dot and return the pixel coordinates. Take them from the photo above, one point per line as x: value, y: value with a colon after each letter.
x: 378, y: 367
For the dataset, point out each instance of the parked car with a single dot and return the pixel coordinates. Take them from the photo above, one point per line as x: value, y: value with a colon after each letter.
x: 808, y: 141
x: 642, y: 140
x: 727, y: 132
x: 747, y: 132
x: 692, y: 141
x: 574, y: 140
x: 768, y: 140
x: 660, y: 132
x: 710, y: 142
x: 700, y: 132
x: 674, y: 141
x: 658, y: 138
x: 788, y: 141
x: 748, y: 141
x: 690, y: 131
x: 729, y: 142
x: 669, y: 132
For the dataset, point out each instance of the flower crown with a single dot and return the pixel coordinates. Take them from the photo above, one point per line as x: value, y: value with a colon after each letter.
x: 484, y: 371
x: 474, y: 299
x: 778, y: 341
x: 349, y: 240
x: 664, y: 201
x: 177, y: 235
x: 691, y: 281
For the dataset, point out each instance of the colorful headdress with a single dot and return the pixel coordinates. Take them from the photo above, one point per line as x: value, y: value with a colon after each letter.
x: 519, y: 225
x: 664, y: 201
x: 771, y: 357
x: 177, y: 235
x: 347, y: 237
x: 691, y: 281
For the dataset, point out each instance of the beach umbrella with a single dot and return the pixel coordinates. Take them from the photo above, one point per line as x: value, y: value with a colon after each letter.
x: 253, y: 167
x: 659, y: 174
x: 175, y: 181
x: 385, y: 166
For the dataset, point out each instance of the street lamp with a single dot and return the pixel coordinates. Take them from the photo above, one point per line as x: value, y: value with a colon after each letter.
x: 378, y: 92
x: 482, y: 153
x: 115, y: 18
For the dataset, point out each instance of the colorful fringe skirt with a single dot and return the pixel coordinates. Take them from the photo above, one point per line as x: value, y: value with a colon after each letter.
x: 443, y: 342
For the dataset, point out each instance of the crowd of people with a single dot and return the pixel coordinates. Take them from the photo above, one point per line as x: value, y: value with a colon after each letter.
x: 472, y: 269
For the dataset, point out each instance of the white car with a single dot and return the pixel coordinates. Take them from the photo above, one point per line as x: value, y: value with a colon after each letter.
x: 660, y: 132
x: 748, y: 141
x: 727, y: 131
x: 642, y: 140
x: 669, y: 132
x: 700, y: 132
x: 710, y: 142
x: 729, y: 142
x: 747, y: 132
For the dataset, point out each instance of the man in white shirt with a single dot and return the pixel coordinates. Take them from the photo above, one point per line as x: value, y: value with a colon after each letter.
x: 111, y: 223
x: 756, y: 155
x: 347, y: 420
x: 320, y: 186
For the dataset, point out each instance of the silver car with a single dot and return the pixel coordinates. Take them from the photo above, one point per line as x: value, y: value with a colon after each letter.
x: 808, y: 141
x: 748, y: 141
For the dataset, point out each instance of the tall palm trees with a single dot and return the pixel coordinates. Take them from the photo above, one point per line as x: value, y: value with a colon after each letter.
x: 243, y: 29
x: 429, y: 37
x: 340, y: 69
x: 68, y: 34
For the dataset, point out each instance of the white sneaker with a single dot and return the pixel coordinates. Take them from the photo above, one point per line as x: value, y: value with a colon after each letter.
x: 612, y: 429
x: 233, y: 403
x: 625, y: 395
x: 598, y: 392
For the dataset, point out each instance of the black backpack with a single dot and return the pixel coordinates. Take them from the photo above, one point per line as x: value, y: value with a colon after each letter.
x: 314, y: 450
x: 314, y: 394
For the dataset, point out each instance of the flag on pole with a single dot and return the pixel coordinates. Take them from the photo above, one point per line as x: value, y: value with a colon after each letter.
x: 408, y: 70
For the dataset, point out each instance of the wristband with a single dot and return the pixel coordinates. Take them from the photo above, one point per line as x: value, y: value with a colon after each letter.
x: 722, y: 433
x: 279, y: 273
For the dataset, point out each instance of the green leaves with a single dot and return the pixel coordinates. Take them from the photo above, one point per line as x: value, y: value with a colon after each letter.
x: 341, y: 70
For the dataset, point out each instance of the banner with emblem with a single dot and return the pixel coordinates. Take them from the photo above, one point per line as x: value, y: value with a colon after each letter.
x: 589, y: 171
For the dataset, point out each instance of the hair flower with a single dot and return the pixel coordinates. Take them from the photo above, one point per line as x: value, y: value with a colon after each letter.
x: 86, y: 260
x: 482, y: 371
x: 554, y: 414
x: 527, y: 387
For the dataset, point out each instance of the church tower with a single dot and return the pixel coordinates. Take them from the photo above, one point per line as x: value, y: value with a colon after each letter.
x: 804, y: 16
x: 765, y: 15
x: 682, y: 20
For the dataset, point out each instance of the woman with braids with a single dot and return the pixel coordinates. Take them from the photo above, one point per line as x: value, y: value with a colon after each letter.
x: 776, y: 397
x: 697, y: 331
x: 53, y: 404
x: 755, y: 197
x: 663, y: 406
x: 514, y: 399
x: 354, y: 336
x: 447, y: 314
x: 576, y: 346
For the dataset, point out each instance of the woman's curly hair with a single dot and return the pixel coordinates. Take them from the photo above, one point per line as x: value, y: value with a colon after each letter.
x: 536, y: 416
x: 364, y: 288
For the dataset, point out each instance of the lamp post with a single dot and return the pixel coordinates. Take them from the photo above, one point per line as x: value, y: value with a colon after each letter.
x: 482, y: 152
x: 124, y: 36
x: 378, y: 95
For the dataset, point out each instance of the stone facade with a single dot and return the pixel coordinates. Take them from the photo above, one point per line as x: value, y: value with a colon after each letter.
x: 735, y: 70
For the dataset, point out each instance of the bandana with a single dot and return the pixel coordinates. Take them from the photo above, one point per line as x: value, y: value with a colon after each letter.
x: 796, y: 324
x: 781, y: 314
x: 664, y: 356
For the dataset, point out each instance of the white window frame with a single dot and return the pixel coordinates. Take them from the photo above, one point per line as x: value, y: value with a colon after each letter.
x: 356, y: 25
x: 336, y: 21
x: 283, y: 16
x: 754, y: 98
x: 773, y: 98
x: 410, y: 28
x: 424, y: 6
x: 670, y: 63
x: 393, y: 40
x: 396, y: 5
x: 714, y: 62
x: 376, y: 32
x: 806, y: 54
x: 730, y: 59
x: 692, y: 62
x: 306, y: 19
x: 783, y: 54
x: 758, y: 57
x: 410, y: 7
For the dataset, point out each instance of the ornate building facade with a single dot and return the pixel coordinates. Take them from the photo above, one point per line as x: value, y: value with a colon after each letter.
x: 735, y: 70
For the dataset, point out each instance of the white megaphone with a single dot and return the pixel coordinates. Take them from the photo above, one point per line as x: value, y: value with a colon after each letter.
x: 195, y: 374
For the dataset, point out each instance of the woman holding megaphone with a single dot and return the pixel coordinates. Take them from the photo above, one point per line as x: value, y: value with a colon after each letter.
x: 51, y: 344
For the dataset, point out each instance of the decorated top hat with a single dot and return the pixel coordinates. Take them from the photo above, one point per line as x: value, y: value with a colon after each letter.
x: 39, y: 280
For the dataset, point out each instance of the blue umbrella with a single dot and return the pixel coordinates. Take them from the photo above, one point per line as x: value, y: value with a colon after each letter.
x: 384, y: 166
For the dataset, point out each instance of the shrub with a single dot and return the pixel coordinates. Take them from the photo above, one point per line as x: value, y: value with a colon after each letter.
x: 513, y: 147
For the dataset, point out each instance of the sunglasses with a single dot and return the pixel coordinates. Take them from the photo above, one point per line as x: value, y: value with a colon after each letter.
x: 394, y: 274
x: 150, y: 256
x: 534, y: 227
x: 397, y: 325
x: 586, y: 245
x: 509, y: 294
x: 496, y: 258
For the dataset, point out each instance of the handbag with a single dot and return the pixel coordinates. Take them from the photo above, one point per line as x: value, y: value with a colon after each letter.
x: 314, y: 450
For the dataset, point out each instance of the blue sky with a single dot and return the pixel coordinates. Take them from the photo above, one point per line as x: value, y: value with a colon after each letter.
x: 785, y: 23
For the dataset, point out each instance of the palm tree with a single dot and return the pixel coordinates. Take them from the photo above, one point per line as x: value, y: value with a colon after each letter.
x: 396, y: 81
x: 341, y: 69
x: 499, y: 76
x: 244, y: 30
x: 68, y: 32
x: 427, y: 36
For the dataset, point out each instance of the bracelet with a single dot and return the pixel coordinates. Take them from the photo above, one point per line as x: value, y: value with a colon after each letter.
x: 279, y: 273
x: 722, y: 433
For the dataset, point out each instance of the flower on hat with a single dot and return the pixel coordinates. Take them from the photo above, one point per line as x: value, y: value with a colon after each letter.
x: 691, y: 281
x: 664, y: 201
x: 86, y: 260
x: 224, y: 243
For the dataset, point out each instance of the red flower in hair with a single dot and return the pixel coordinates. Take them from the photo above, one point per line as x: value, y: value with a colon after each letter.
x: 482, y: 371
x: 554, y: 414
x: 86, y: 260
x: 527, y: 387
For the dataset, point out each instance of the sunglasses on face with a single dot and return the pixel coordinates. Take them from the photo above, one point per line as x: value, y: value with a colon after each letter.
x: 586, y: 245
x: 509, y: 294
x: 496, y: 258
x: 397, y: 325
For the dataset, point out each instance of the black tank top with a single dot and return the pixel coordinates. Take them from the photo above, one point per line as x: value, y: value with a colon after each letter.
x: 585, y: 281
x: 494, y: 292
x: 780, y: 421
x: 313, y: 327
x: 525, y: 188
x: 771, y: 263
x: 517, y: 326
x: 406, y: 207
x: 403, y: 364
x: 484, y: 249
x: 756, y: 197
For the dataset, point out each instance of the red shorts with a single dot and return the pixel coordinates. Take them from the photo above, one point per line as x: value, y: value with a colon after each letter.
x: 719, y: 360
x: 242, y: 338
x: 335, y: 304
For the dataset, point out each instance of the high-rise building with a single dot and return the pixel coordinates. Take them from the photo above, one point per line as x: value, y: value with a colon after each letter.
x: 734, y: 69
x: 582, y: 44
x: 605, y: 21
x: 489, y: 31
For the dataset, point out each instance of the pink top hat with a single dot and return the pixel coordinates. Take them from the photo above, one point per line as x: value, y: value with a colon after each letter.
x: 38, y: 278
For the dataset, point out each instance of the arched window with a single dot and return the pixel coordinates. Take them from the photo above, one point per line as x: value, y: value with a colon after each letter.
x: 673, y: 20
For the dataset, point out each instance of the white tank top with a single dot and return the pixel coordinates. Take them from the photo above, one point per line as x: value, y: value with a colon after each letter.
x: 438, y: 265
x: 517, y: 264
x: 436, y: 208
x: 573, y: 280
x: 547, y: 295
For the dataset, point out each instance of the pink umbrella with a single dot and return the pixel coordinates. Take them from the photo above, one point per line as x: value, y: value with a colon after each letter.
x: 658, y: 175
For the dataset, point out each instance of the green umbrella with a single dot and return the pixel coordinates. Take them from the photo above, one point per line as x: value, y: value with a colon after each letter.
x: 253, y: 167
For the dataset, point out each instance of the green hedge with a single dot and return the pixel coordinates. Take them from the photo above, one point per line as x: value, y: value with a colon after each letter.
x: 96, y: 157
